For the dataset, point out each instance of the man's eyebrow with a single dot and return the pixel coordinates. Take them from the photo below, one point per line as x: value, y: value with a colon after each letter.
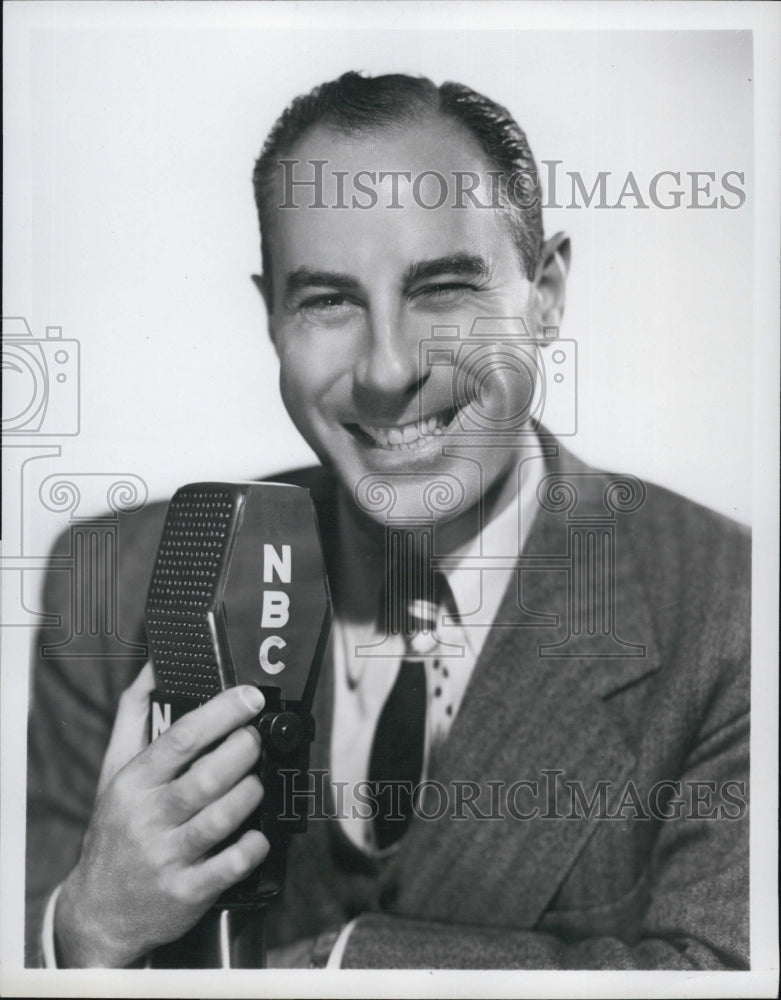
x: 305, y: 277
x: 465, y: 265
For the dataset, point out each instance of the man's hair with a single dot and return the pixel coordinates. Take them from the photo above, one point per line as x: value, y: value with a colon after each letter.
x: 355, y: 104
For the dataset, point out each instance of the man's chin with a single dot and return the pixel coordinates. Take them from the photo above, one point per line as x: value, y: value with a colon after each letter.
x: 411, y: 497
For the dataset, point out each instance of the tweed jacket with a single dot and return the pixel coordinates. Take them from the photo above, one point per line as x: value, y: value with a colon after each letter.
x: 602, y: 744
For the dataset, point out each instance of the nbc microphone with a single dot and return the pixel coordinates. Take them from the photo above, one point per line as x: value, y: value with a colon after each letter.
x: 239, y: 595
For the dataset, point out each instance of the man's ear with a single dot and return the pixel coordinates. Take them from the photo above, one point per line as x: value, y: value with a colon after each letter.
x: 263, y: 285
x: 550, y: 278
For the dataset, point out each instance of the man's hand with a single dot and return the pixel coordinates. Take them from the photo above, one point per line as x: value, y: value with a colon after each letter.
x: 146, y: 873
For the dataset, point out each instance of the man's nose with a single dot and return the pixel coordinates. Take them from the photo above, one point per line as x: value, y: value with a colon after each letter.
x: 389, y: 364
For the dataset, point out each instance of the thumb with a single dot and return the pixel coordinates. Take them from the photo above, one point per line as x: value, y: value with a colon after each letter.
x: 129, y: 735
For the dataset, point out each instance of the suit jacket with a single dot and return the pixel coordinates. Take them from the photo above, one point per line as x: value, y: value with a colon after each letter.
x: 630, y: 681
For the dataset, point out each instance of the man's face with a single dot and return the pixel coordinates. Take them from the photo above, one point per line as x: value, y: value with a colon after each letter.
x: 356, y: 292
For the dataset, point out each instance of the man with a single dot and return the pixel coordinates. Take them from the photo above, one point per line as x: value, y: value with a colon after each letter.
x: 582, y: 697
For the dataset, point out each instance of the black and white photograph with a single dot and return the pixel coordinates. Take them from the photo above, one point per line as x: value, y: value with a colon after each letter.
x: 390, y: 509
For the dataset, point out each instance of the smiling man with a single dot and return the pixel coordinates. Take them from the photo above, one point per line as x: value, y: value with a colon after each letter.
x: 548, y: 664
x: 355, y: 285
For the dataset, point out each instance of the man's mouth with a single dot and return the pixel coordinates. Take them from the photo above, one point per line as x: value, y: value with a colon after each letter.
x: 397, y: 437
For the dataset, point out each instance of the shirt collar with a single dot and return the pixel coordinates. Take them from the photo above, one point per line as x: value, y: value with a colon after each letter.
x: 504, y: 535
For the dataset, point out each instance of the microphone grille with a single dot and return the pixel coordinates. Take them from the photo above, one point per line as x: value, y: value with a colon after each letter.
x: 184, y: 584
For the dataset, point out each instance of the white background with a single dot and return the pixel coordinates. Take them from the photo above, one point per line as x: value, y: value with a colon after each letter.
x: 130, y: 136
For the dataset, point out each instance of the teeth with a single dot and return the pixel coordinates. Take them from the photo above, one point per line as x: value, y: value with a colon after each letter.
x: 407, y: 435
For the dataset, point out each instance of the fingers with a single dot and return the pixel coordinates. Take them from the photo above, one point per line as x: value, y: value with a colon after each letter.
x: 212, y: 775
x: 129, y: 735
x: 142, y: 686
x: 218, y: 820
x: 193, y: 733
x: 236, y: 862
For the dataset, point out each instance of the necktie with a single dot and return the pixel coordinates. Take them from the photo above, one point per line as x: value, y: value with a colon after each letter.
x: 396, y: 760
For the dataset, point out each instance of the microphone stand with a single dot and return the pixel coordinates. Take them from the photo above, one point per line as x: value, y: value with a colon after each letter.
x: 226, y: 938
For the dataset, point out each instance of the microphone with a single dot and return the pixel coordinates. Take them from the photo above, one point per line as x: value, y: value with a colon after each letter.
x: 239, y: 595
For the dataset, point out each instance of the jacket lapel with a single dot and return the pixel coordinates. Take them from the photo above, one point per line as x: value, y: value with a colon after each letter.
x: 534, y: 711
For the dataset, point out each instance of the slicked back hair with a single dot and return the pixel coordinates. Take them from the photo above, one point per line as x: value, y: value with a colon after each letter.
x: 355, y: 105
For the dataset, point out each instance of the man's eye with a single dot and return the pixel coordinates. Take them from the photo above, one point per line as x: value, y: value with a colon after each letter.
x: 444, y: 292
x: 333, y: 303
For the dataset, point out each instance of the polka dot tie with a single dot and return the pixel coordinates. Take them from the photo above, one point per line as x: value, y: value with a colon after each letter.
x: 397, y: 755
